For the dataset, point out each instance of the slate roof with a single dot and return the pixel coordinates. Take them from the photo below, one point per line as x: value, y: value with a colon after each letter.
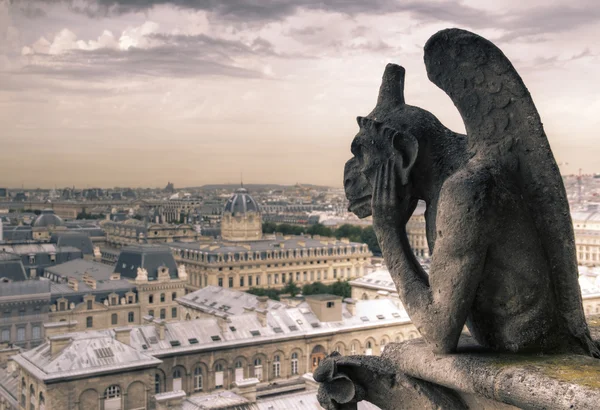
x: 79, y: 240
x: 11, y: 267
x: 28, y: 287
x: 9, y: 383
x: 87, y: 353
x: 48, y: 218
x: 241, y: 202
x: 149, y: 257
x: 244, y: 329
x: 279, y: 243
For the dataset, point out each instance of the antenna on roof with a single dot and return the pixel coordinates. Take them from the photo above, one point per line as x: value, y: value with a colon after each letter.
x: 242, y: 179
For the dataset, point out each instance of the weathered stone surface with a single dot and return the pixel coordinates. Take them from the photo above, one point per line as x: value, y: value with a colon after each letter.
x: 498, y: 221
x: 501, y: 239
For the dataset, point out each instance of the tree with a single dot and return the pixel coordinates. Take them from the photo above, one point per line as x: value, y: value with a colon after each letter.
x: 368, y: 236
x: 291, y: 288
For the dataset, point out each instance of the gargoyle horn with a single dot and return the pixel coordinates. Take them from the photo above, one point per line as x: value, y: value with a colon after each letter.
x: 391, y: 92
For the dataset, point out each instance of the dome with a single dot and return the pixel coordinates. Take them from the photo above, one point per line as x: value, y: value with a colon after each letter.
x: 48, y: 218
x: 241, y: 202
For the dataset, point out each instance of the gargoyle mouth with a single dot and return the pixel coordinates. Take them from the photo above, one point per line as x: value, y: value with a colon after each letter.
x: 361, y: 207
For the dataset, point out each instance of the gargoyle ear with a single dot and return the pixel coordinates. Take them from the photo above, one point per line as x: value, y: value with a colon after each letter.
x: 406, y: 149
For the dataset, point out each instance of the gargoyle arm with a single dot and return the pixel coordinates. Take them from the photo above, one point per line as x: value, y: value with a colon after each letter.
x: 439, y: 304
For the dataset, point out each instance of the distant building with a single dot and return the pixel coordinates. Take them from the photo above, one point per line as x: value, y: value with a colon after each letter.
x: 587, y: 237
x: 38, y: 256
x: 241, y: 219
x: 143, y: 367
x: 132, y: 231
x: 145, y: 281
x: 271, y: 262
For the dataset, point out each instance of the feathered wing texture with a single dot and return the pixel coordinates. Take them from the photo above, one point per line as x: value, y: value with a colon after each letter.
x: 504, y: 127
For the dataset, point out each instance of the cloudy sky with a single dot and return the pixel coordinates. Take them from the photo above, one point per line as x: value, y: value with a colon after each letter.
x: 139, y: 92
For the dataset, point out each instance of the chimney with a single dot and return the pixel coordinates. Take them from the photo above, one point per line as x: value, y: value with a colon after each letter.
x: 123, y: 335
x: 159, y: 325
x: 247, y: 389
x: 350, y: 305
x: 261, y: 314
x: 59, y: 328
x: 223, y: 322
x: 262, y: 302
x: 58, y: 343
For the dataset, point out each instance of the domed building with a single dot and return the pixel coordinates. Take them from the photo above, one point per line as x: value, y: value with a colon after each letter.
x: 48, y: 219
x: 241, y: 220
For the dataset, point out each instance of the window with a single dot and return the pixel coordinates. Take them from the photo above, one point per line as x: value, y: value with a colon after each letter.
x: 353, y: 349
x: 6, y: 335
x: 230, y: 282
x: 294, y: 363
x: 173, y: 296
x: 177, y: 379
x: 131, y: 317
x: 162, y: 298
x: 220, y: 281
x: 112, y: 398
x: 250, y: 280
x: 23, y: 392
x: 276, y: 366
x: 150, y: 298
x: 258, y: 281
x: 258, y: 368
x: 305, y: 276
x: 335, y: 273
x: 114, y: 301
x: 32, y: 396
x: 157, y: 383
x: 239, y: 371
x: 89, y: 322
x: 297, y: 276
x: 277, y: 278
x: 89, y: 305
x: 36, y: 332
x: 241, y: 281
x: 330, y: 304
x: 218, y: 376
x: 174, y: 313
x: 42, y: 401
x: 151, y: 312
x: 114, y: 319
x: 319, y: 275
x: 20, y: 334
x: 198, y: 378
x: 163, y: 314
x: 22, y: 312
x: 269, y: 279
x: 6, y: 314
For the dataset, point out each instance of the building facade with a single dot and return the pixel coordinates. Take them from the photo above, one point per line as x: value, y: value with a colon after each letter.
x: 272, y: 262
x: 133, y: 231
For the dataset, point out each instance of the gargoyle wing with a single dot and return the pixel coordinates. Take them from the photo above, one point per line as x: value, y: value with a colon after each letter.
x: 503, y: 125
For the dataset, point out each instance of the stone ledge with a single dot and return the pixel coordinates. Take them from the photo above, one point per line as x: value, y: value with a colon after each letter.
x: 501, y: 381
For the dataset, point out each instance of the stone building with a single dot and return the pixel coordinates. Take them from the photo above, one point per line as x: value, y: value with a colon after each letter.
x: 587, y: 237
x: 133, y: 231
x: 271, y: 262
x: 416, y: 232
x: 36, y: 257
x: 272, y: 342
x: 241, y: 220
x: 90, y: 295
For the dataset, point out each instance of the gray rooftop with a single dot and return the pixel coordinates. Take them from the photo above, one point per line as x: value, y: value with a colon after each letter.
x: 11, y: 267
x: 149, y: 257
x: 214, y: 299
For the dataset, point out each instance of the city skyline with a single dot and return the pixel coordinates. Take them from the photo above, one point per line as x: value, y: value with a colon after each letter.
x: 129, y: 93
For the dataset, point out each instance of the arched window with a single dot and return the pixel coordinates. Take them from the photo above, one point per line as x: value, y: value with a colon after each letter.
x: 23, y: 392
x: 198, y: 378
x: 276, y: 366
x: 157, y: 383
x: 239, y: 371
x: 32, y: 396
x: 42, y: 401
x: 258, y: 368
x: 177, y: 382
x: 369, y: 350
x: 89, y: 322
x: 114, y: 319
x: 112, y: 398
x: 294, y: 363
x: 219, y: 376
x: 353, y: 348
